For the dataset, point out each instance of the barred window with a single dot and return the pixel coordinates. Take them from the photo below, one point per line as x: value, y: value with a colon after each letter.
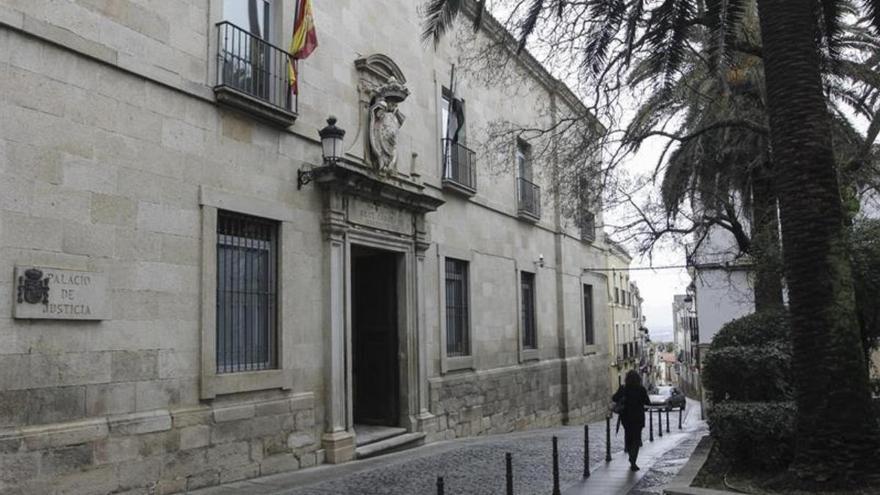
x: 457, y: 324
x: 246, y: 292
x: 529, y: 325
x: 589, y: 335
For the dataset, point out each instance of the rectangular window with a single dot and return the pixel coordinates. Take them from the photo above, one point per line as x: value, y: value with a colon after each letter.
x: 246, y: 292
x: 524, y: 160
x: 457, y: 311
x: 459, y: 162
x: 250, y: 15
x: 616, y: 295
x: 589, y: 336
x: 529, y: 324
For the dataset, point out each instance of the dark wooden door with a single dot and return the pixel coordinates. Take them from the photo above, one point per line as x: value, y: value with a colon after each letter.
x: 374, y: 335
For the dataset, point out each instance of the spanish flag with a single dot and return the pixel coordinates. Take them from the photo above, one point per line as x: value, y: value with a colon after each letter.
x: 305, y: 39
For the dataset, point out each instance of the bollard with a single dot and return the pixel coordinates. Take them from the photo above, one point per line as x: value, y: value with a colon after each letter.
x: 660, y: 423
x: 608, y: 439
x: 556, y: 468
x: 509, y: 461
x: 667, y: 421
x: 440, y: 489
x: 586, y: 451
x: 650, y: 425
x: 679, y: 417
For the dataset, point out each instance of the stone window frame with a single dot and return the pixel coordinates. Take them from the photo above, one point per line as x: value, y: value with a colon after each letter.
x: 587, y: 347
x: 524, y: 353
x: 211, y: 383
x: 456, y: 363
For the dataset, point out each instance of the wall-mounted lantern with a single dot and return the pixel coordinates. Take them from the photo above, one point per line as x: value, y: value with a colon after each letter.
x: 331, y: 150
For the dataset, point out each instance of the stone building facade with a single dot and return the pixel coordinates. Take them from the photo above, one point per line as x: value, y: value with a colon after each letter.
x: 622, y: 327
x: 226, y: 316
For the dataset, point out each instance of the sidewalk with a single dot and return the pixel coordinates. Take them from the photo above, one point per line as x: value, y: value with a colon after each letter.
x: 475, y: 466
x: 659, y: 460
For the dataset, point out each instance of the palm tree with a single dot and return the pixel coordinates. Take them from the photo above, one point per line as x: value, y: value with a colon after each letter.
x: 837, y: 434
x: 723, y: 173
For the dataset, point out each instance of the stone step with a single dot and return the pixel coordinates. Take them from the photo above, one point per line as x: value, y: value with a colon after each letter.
x: 393, y: 444
x: 371, y: 434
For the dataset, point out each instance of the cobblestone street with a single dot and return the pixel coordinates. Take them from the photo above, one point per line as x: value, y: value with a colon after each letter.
x: 476, y: 466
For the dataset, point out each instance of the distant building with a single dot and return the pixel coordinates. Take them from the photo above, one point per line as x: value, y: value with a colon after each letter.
x: 621, y: 324
x: 686, y: 340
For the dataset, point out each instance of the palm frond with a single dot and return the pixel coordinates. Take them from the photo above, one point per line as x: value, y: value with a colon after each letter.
x: 596, y: 52
x: 529, y: 22
x: 832, y: 12
x: 667, y: 36
x: 439, y: 16
x: 872, y: 8
x: 478, y: 18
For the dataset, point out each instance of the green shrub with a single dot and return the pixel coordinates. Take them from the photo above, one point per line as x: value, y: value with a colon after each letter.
x: 749, y: 373
x: 756, y: 435
x: 755, y: 330
x: 750, y: 360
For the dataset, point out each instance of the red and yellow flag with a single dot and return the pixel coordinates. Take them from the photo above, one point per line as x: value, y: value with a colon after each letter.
x: 305, y: 38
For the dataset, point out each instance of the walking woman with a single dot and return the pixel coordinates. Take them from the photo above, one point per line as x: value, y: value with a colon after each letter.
x: 635, y: 399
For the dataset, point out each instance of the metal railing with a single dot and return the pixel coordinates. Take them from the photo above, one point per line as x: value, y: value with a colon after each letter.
x: 254, y: 66
x: 528, y: 197
x: 588, y: 226
x: 459, y: 165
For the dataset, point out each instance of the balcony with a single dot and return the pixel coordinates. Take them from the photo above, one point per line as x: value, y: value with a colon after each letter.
x: 252, y: 76
x: 459, y: 168
x: 528, y: 197
x: 588, y: 226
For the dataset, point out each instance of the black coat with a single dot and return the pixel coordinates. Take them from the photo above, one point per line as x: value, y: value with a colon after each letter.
x: 636, y: 399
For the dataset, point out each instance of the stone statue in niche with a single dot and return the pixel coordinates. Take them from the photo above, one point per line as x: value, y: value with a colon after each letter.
x: 385, y: 123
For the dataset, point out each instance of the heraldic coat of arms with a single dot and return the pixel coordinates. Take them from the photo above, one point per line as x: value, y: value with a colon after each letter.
x: 33, y: 288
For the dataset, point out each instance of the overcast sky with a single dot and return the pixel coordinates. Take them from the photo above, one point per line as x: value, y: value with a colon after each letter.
x: 657, y: 287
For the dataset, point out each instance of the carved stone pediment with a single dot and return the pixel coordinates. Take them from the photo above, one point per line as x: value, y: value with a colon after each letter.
x: 352, y: 180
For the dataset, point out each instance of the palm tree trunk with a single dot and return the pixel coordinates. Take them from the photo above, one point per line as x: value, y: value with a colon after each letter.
x: 837, y: 437
x: 765, y: 241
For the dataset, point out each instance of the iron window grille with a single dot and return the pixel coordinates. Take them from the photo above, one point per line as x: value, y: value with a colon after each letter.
x: 459, y: 165
x: 589, y: 334
x: 457, y: 317
x: 528, y: 198
x: 255, y: 67
x: 247, y: 267
x: 529, y: 324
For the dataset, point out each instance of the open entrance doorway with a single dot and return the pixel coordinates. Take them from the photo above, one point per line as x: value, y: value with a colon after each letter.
x: 375, y: 362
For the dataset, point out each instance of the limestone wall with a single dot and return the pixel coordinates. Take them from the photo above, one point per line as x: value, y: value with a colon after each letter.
x: 109, y: 137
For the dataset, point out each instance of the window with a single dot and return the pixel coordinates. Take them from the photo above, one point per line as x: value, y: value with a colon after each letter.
x: 529, y: 325
x: 524, y: 160
x: 251, y: 70
x: 528, y: 193
x: 246, y: 293
x: 616, y: 295
x: 459, y: 161
x: 589, y: 335
x: 250, y: 15
x: 457, y: 316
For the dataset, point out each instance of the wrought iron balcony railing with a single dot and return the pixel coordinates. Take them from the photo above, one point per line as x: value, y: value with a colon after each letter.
x: 528, y: 199
x: 459, y: 167
x: 252, y: 74
x: 587, y: 223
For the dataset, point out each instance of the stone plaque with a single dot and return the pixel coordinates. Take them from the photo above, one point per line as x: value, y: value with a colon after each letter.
x: 379, y: 216
x: 55, y: 294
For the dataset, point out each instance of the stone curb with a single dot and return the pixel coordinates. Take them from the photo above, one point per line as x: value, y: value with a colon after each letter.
x: 681, y: 484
